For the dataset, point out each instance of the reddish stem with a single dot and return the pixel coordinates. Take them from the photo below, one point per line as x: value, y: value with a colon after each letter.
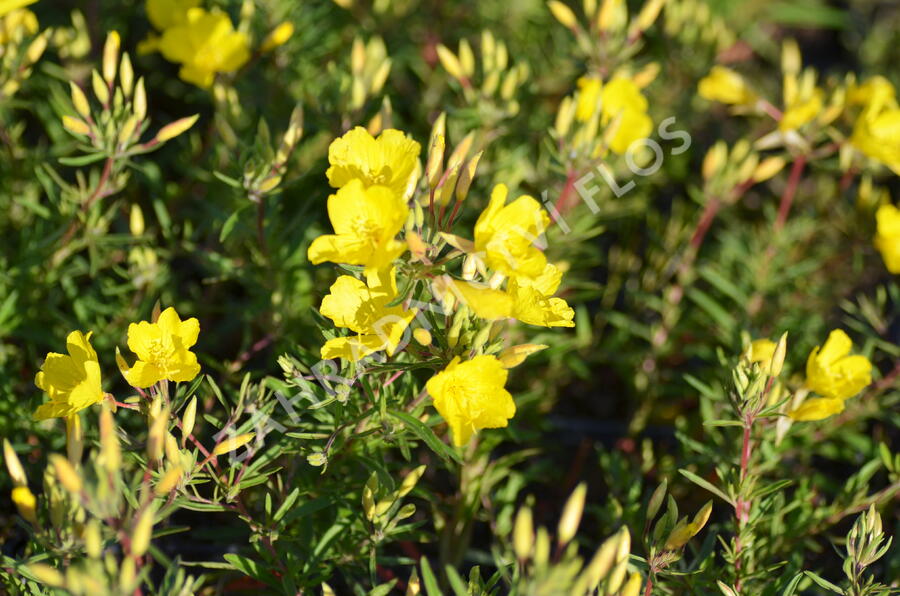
x: 787, y: 198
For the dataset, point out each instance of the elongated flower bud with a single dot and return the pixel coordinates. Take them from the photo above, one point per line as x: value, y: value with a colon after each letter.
x: 232, y: 444
x: 172, y: 130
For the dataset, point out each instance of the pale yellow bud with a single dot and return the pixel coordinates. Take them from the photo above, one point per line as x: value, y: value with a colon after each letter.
x: 791, y: 60
x: 232, y: 444
x: 74, y: 438
x: 516, y: 355
x: 647, y: 16
x: 357, y: 56
x: 127, y: 573
x: 13, y: 465
x: 101, y: 91
x: 170, y: 131
x: 126, y: 75
x: 187, y: 420
x: 110, y: 453
x: 461, y: 150
x: 140, y: 100
x: 467, y: 176
x: 571, y: 517
x: 565, y: 115
x: 469, y: 267
x: 380, y: 77
x: 714, y: 160
x: 422, y: 336
x: 277, y: 37
x: 612, y: 15
x: 417, y: 246
x: 602, y: 562
x: 66, y: 474
x: 169, y: 480
x: 703, y: 515
x: 433, y: 168
x: 778, y: 358
x: 445, y: 189
x: 173, y: 454
x: 410, y: 481
x: 127, y: 131
x: 80, y: 101
x: 368, y: 496
x: 142, y: 532
x: 76, y: 126
x: 93, y: 541
x: 46, y: 574
x: 768, y: 168
x: 748, y: 167
x: 450, y: 62
x: 633, y: 586
x: 466, y: 58
x: 563, y: 14
x: 111, y: 56
x: 542, y: 547
x: 523, y: 533
x: 36, y: 48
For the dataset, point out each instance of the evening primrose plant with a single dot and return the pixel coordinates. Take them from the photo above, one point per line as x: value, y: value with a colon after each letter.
x: 383, y: 297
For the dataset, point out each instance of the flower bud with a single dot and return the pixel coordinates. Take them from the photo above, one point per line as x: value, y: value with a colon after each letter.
x: 571, y: 517
x: 563, y: 14
x: 172, y: 130
x: 76, y: 126
x: 523, y: 533
x: 232, y: 444
x: 142, y: 532
x: 410, y: 480
x: 26, y: 503
x: 66, y: 474
x: 187, y: 420
x: 80, y: 101
x: 450, y: 63
x: 111, y: 56
x: 74, y: 438
x: 13, y: 465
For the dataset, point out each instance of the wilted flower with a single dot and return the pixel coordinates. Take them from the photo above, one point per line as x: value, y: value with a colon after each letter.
x: 366, y: 222
x: 887, y: 238
x: 205, y: 44
x: 72, y: 382
x: 391, y: 160
x: 163, y: 350
x: 471, y: 395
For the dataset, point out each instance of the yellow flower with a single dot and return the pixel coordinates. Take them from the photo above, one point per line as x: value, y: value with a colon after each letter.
x: 726, y: 86
x: 16, y: 21
x: 164, y: 14
x: 363, y: 308
x: 761, y: 352
x: 877, y: 135
x: 504, y: 234
x: 391, y: 160
x: 471, y: 395
x: 832, y: 372
x: 625, y: 108
x: 205, y: 44
x: 366, y: 222
x: 887, y: 238
x: 875, y: 90
x: 588, y: 98
x: 817, y: 408
x: 533, y: 300
x: 7, y: 6
x: 72, y: 382
x: 529, y: 300
x: 163, y: 350
x: 801, y: 110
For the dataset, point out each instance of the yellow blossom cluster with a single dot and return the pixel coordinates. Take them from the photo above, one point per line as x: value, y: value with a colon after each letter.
x: 73, y: 381
x: 376, y: 178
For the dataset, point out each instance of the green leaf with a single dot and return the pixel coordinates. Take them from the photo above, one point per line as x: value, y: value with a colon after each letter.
x: 82, y: 160
x: 427, y: 435
x: 229, y: 224
x: 823, y: 583
x: 428, y: 578
x: 706, y: 484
